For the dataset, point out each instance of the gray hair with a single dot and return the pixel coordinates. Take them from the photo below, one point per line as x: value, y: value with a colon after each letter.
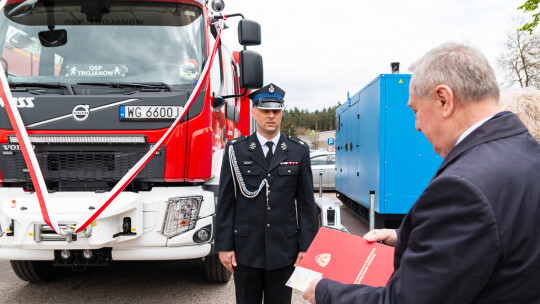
x: 465, y: 70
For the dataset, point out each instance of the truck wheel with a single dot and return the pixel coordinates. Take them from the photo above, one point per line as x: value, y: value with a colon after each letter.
x: 215, y: 271
x: 34, y: 271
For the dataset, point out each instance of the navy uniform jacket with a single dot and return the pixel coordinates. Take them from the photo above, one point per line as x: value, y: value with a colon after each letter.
x: 267, y: 237
x: 473, y: 236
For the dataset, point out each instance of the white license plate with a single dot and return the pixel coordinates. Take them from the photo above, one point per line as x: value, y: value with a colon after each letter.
x: 150, y: 112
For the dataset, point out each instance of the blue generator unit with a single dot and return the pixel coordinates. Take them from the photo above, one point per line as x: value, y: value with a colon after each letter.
x: 379, y: 151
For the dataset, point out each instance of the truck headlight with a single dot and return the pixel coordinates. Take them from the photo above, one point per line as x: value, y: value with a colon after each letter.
x: 181, y: 215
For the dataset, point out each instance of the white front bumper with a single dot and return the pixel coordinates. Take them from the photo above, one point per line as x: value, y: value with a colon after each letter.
x: 145, y: 209
x: 125, y: 254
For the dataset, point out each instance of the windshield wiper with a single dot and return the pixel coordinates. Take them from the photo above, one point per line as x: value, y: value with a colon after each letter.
x: 66, y: 86
x: 142, y: 86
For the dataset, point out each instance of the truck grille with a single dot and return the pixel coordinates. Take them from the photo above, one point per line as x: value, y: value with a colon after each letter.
x: 85, y: 166
x: 80, y: 162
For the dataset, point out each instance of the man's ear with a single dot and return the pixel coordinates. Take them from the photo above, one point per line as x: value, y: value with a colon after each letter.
x: 253, y: 112
x: 444, y: 96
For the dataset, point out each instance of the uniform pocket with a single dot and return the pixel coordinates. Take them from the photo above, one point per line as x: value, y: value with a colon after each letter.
x: 250, y: 170
x: 241, y: 230
x: 288, y: 170
x: 291, y: 231
x: 288, y: 177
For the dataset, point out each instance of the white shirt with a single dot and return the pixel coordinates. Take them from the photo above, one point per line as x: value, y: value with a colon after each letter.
x: 263, y: 140
x: 470, y: 129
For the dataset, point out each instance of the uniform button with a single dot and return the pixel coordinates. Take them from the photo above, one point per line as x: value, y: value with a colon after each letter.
x: 269, y: 174
x: 268, y: 208
x: 235, y: 231
x: 289, y: 171
x: 249, y: 171
x: 268, y: 225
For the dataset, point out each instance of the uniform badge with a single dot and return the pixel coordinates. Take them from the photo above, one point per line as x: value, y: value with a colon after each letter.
x: 233, y: 141
x: 283, y: 146
x: 252, y: 145
x: 271, y: 89
x: 323, y: 259
x: 289, y: 163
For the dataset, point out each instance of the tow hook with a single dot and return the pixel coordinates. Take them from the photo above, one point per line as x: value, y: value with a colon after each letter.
x: 126, y: 228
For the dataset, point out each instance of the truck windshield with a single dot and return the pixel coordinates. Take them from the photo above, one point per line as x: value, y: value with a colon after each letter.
x: 103, y: 42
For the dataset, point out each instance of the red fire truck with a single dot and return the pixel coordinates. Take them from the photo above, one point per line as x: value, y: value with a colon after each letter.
x: 100, y: 85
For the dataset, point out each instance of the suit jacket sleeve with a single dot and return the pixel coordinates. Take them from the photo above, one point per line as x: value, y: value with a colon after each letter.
x: 225, y: 206
x: 452, y: 249
x: 307, y: 213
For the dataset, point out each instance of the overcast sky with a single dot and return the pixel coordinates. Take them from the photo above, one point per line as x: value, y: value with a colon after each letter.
x: 318, y: 50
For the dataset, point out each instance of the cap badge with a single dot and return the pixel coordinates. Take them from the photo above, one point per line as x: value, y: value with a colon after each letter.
x: 252, y: 145
x: 283, y: 146
x: 271, y: 89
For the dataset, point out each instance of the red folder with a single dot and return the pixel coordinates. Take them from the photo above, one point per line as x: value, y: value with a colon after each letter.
x: 349, y: 259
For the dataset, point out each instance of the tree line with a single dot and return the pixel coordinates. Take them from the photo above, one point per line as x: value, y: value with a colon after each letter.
x: 302, y: 122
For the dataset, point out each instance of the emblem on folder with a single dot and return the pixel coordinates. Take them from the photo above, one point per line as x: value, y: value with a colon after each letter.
x: 323, y: 259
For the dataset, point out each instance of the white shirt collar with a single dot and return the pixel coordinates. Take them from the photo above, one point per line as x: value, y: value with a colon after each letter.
x: 263, y: 140
x: 471, y: 129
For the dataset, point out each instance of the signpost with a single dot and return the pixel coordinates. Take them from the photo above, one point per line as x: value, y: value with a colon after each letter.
x: 330, y: 144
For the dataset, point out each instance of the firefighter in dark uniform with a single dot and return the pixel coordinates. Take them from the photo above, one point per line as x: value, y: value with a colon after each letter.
x: 266, y: 216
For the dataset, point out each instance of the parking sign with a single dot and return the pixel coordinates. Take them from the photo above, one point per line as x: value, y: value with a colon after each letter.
x: 331, y: 141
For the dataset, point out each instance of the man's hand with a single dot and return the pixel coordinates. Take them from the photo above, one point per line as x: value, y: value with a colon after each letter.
x: 309, y: 293
x: 228, y: 260
x: 299, y: 258
x: 387, y: 236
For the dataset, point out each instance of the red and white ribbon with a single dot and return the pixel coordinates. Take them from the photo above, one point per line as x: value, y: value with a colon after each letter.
x: 121, y: 185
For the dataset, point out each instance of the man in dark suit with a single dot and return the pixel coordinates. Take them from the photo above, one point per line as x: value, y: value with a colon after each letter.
x: 473, y: 235
x: 266, y: 216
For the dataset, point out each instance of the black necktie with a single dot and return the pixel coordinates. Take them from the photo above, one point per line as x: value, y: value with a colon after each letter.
x: 270, y: 153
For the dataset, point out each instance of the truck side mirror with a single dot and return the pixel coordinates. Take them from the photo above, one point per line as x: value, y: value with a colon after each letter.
x: 249, y: 32
x: 217, y: 101
x: 251, y: 70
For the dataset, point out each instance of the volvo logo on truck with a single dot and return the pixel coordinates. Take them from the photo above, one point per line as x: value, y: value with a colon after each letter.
x: 81, y: 112
x: 14, y: 147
